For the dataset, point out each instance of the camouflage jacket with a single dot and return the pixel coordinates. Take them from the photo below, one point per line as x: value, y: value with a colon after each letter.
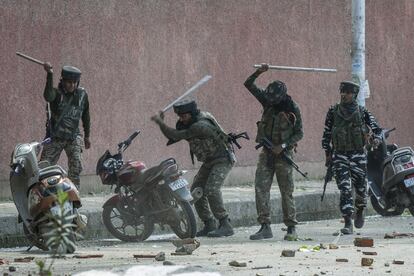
x: 66, y: 126
x: 206, y: 138
x: 330, y: 124
x: 279, y: 127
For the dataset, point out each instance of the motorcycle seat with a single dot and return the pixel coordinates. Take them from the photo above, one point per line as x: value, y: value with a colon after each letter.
x: 50, y: 171
x: 151, y: 174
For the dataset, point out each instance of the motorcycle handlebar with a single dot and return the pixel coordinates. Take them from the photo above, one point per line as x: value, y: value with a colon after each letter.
x: 124, y: 145
x: 388, y: 131
x: 132, y: 137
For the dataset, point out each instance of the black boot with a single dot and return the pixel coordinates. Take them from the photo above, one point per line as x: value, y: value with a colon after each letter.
x: 359, y: 218
x: 265, y: 232
x: 225, y: 229
x: 348, y: 228
x: 209, y: 225
x: 291, y: 234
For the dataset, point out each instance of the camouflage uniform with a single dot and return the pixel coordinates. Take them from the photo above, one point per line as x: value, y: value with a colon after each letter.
x: 280, y: 127
x: 209, y: 145
x: 347, y: 134
x: 64, y: 128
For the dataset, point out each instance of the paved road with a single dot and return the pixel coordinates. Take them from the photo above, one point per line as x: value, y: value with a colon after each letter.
x: 214, y: 255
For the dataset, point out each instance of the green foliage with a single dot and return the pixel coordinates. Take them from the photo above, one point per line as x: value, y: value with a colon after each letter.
x: 60, y: 238
x: 42, y: 270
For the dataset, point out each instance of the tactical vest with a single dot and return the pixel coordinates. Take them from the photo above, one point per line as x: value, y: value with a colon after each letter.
x: 276, y: 127
x: 69, y: 112
x: 348, y: 134
x: 207, y: 149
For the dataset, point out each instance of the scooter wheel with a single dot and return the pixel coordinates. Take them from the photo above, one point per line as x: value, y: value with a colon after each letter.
x: 396, y: 211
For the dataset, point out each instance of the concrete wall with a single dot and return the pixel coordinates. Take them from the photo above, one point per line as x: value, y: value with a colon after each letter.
x: 137, y: 56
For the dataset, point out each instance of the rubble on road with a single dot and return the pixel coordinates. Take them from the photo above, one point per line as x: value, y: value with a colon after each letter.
x: 369, y: 253
x: 90, y: 256
x: 394, y: 235
x: 160, y: 257
x: 145, y: 256
x: 367, y: 261
x: 399, y: 262
x: 342, y: 260
x: 333, y: 246
x: 186, y: 246
x: 24, y: 260
x: 288, y: 253
x: 237, y: 264
x: 364, y: 242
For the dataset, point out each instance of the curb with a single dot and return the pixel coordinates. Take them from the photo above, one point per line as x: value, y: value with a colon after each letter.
x: 241, y: 212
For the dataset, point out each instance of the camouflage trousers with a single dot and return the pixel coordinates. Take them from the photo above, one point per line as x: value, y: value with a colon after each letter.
x: 73, y: 149
x: 350, y: 169
x: 210, y: 178
x: 267, y: 166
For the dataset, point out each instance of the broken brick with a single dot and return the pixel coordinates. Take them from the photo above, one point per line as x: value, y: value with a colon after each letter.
x: 333, y: 246
x: 237, y: 264
x: 364, y: 242
x: 288, y: 253
x: 367, y: 261
x: 369, y: 253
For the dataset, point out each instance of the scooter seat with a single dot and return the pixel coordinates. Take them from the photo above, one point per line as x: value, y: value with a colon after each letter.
x: 50, y: 171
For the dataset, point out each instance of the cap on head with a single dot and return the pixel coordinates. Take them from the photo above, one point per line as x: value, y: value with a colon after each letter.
x: 185, y: 106
x: 71, y: 73
x: 349, y: 86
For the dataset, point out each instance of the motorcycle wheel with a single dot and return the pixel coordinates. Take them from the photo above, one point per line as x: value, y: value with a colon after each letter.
x: 186, y: 227
x: 33, y: 240
x: 396, y: 211
x: 123, y: 229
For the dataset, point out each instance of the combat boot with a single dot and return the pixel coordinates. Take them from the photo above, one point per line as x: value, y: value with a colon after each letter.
x: 265, y: 232
x: 348, y: 228
x: 359, y: 218
x: 209, y: 225
x: 225, y: 229
x: 291, y: 234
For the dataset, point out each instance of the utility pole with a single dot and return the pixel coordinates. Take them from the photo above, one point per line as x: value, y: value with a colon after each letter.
x: 358, y: 49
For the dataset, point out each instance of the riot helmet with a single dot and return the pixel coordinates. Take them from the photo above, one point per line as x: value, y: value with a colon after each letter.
x: 276, y: 92
x: 71, y: 73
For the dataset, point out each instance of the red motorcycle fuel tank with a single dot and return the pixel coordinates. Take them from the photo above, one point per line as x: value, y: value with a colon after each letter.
x: 130, y: 171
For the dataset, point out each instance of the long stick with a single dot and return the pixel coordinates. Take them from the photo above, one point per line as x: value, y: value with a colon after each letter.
x: 289, y: 68
x: 188, y: 92
x: 29, y: 58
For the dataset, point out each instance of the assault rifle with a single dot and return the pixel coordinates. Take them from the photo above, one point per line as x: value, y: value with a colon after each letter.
x: 269, y: 145
x: 233, y: 138
x: 328, y: 177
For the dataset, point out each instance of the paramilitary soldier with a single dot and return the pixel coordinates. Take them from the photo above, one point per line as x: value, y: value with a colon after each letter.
x: 347, y: 127
x: 281, y: 123
x: 209, y: 144
x: 68, y: 105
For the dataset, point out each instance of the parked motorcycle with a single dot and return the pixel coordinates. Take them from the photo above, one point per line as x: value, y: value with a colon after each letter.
x: 34, y: 187
x: 145, y: 196
x: 391, y: 177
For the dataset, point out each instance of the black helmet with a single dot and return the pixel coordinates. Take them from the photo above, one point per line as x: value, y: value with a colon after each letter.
x: 349, y: 86
x: 276, y: 92
x: 71, y: 73
x: 185, y: 106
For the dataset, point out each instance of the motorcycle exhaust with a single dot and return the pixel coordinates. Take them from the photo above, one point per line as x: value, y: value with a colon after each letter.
x: 197, y: 193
